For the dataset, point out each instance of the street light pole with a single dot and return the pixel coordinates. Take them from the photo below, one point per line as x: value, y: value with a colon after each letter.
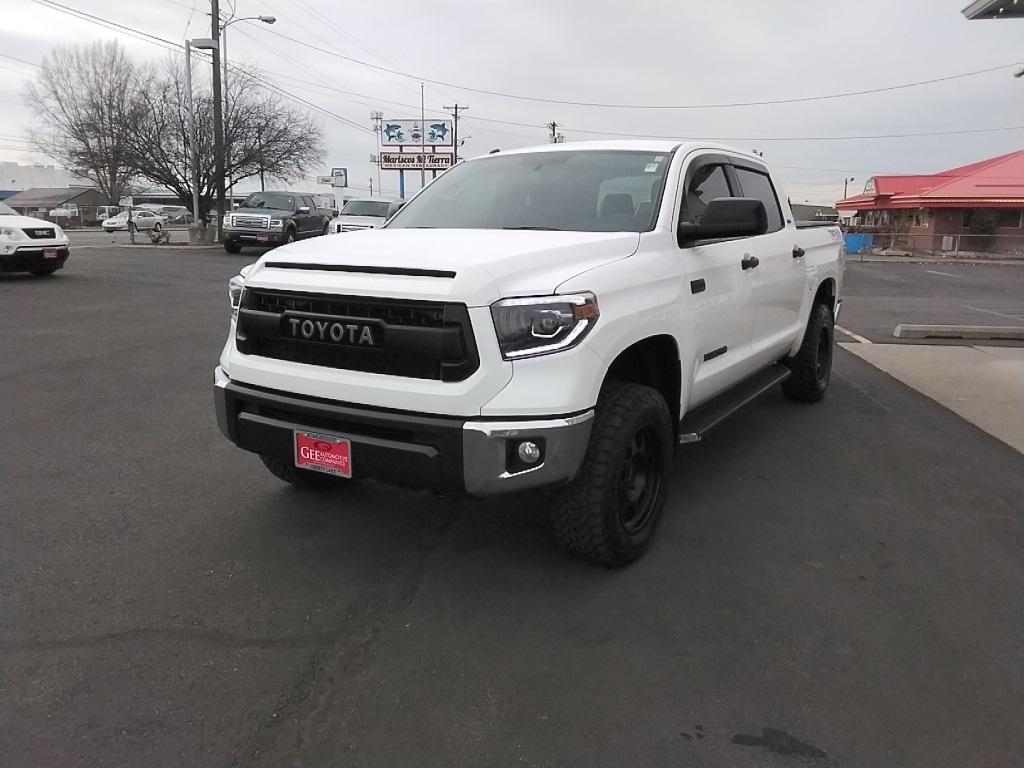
x: 194, y: 160
x: 227, y: 106
x: 845, y: 183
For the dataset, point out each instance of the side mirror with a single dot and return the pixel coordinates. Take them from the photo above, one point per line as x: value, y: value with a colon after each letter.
x: 303, y: 209
x: 334, y: 212
x: 726, y: 217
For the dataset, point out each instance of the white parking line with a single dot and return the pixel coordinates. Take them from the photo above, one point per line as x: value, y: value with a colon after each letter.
x: 855, y: 336
x: 1018, y: 318
x: 934, y: 272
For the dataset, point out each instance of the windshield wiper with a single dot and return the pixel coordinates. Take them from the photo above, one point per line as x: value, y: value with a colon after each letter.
x: 539, y: 229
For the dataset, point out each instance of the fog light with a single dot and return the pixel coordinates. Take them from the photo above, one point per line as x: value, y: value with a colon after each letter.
x: 529, y: 453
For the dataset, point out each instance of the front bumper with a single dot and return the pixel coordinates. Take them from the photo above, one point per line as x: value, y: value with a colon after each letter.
x: 254, y: 236
x: 443, y: 453
x: 28, y: 257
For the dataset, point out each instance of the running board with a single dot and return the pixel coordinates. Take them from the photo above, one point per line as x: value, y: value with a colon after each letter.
x: 702, y: 418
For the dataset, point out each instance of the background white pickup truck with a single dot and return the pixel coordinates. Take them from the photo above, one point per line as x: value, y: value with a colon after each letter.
x: 560, y: 316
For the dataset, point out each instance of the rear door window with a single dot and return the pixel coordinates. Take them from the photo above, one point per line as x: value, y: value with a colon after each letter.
x: 759, y: 186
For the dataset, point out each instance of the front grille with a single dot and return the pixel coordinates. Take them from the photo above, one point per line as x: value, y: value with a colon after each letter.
x: 422, y: 340
x: 41, y: 233
x: 250, y: 222
x: 355, y: 227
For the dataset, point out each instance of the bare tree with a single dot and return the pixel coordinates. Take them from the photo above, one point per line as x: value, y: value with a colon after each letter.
x: 265, y: 135
x: 87, y: 109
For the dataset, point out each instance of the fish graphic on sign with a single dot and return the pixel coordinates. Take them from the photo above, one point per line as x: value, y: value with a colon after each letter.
x: 393, y: 132
x: 438, y: 131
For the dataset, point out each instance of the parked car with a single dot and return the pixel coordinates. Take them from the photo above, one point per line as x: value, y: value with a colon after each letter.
x: 30, y: 245
x: 274, y: 218
x: 365, y: 213
x: 142, y: 219
x: 560, y: 316
x: 176, y: 214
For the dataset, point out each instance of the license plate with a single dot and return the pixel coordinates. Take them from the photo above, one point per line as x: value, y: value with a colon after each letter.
x: 323, y: 453
x: 49, y: 253
x: 263, y: 238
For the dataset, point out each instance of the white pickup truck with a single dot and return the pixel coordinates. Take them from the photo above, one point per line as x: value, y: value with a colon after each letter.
x: 560, y: 317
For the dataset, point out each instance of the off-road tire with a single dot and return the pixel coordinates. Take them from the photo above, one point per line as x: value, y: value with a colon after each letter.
x: 157, y: 227
x: 300, y: 478
x: 591, y: 514
x: 232, y: 247
x: 289, y: 237
x: 811, y: 366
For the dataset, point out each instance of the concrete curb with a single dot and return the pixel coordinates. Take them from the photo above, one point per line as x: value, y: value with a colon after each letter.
x: 1005, y: 332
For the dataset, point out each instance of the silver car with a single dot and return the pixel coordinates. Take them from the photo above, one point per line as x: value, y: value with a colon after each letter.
x: 142, y: 220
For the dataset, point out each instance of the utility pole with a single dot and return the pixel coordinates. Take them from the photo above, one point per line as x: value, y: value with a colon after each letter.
x: 455, y: 129
x: 371, y: 186
x: 378, y: 120
x: 259, y: 145
x: 218, y: 118
x: 423, y: 140
x: 227, y: 115
x: 556, y: 137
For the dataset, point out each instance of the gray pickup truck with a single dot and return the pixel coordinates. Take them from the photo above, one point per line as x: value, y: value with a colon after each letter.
x: 267, y: 219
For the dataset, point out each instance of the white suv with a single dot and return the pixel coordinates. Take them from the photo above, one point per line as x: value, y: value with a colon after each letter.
x: 30, y: 245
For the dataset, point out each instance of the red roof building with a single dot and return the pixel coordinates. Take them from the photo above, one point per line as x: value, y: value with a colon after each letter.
x: 934, y: 212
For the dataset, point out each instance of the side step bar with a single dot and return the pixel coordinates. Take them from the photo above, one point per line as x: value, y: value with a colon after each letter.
x: 708, y: 415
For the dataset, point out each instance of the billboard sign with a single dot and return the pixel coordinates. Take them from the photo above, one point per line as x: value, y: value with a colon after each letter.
x: 413, y: 161
x: 340, y: 176
x: 413, y: 133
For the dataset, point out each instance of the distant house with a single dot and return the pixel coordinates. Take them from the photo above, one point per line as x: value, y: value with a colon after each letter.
x: 80, y: 203
x: 808, y: 212
x: 934, y: 211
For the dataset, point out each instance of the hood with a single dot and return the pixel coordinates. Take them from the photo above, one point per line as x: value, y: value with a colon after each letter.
x: 275, y: 212
x: 473, y: 266
x: 361, y: 221
x: 22, y: 222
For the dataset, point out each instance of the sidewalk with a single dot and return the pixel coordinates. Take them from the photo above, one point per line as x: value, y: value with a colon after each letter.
x: 984, y: 385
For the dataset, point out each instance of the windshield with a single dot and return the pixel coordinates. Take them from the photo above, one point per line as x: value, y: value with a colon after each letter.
x: 7, y: 211
x: 366, y: 208
x: 278, y: 200
x: 580, y: 191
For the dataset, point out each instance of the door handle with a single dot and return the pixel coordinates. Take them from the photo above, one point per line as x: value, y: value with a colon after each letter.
x: 798, y: 252
x: 749, y: 262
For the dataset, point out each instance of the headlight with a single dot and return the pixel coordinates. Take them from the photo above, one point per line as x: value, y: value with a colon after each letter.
x: 540, y: 325
x: 236, y: 287
x: 276, y: 223
x: 227, y: 221
x: 10, y: 233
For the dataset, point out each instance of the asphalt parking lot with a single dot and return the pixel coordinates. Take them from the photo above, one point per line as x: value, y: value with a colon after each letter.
x: 881, y: 295
x: 834, y: 585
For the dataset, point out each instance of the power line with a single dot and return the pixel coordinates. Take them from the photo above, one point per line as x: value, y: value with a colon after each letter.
x: 170, y: 45
x: 795, y: 138
x: 20, y: 61
x: 174, y: 47
x: 710, y: 105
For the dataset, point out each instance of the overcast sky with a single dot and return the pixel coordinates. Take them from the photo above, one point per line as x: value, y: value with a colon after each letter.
x: 641, y: 52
